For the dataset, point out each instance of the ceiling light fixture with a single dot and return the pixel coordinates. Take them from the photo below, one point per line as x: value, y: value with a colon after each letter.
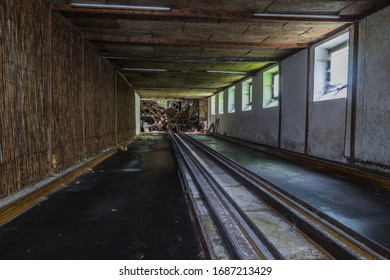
x: 227, y: 72
x: 311, y: 16
x: 121, y: 7
x: 144, y: 70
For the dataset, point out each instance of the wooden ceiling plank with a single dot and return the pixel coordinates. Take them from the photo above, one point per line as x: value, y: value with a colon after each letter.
x: 194, y: 72
x: 169, y: 41
x: 124, y: 56
x: 62, y: 7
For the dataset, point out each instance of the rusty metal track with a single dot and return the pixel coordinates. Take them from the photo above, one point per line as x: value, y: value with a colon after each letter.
x: 242, y: 238
x: 333, y: 237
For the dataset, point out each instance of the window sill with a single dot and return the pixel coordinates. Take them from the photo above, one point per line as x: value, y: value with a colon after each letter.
x: 271, y: 103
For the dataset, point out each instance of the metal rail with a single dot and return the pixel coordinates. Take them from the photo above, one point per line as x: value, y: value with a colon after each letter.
x: 335, y: 238
x: 241, y: 237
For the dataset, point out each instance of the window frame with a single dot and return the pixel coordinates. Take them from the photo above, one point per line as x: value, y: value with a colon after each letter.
x: 249, y: 93
x: 273, y: 85
x: 322, y: 87
x: 221, y: 101
x: 269, y: 98
x: 231, y: 99
x: 212, y: 105
x: 338, y: 48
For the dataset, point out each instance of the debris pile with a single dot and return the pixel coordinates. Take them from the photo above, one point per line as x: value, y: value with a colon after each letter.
x: 156, y: 117
x: 143, y: 138
x: 153, y: 116
x: 122, y: 148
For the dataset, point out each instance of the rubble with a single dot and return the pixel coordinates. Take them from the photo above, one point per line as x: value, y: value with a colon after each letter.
x: 143, y: 138
x: 122, y: 148
x: 183, y: 114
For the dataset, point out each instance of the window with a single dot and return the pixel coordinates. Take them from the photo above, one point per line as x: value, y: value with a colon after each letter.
x: 275, y: 86
x: 247, y: 95
x: 232, y: 99
x: 271, y: 87
x: 338, y: 67
x: 212, y: 105
x: 331, y: 69
x: 220, y: 103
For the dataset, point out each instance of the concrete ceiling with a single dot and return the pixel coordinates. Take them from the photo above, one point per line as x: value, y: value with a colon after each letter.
x: 183, y: 48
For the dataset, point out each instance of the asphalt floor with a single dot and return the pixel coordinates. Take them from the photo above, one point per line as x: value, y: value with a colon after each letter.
x: 130, y: 206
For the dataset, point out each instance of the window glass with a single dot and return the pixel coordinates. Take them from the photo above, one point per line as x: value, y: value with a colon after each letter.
x: 271, y: 87
x: 212, y: 105
x: 232, y: 100
x: 247, y: 95
x: 331, y: 62
x: 220, y: 103
x: 275, y: 86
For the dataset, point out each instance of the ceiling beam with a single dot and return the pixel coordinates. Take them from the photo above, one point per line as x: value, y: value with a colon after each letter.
x: 124, y: 56
x: 191, y: 13
x: 195, y: 72
x: 181, y: 88
x: 169, y: 41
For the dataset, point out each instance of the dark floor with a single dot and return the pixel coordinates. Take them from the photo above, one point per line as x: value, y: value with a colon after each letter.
x: 363, y: 208
x: 131, y: 206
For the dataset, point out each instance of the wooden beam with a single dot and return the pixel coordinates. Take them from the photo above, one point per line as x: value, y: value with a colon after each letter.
x: 172, y: 88
x: 101, y: 100
x: 125, y: 79
x: 127, y: 56
x: 191, y: 14
x: 116, y: 105
x: 169, y: 41
x: 49, y: 89
x: 83, y: 79
x: 185, y: 71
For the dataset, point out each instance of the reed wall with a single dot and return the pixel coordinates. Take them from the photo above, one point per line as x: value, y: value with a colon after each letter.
x: 125, y: 102
x: 58, y: 102
x: 22, y: 97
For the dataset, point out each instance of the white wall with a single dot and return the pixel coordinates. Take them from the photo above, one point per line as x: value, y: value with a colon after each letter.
x: 257, y: 125
x: 329, y: 121
x: 293, y: 102
x: 373, y: 94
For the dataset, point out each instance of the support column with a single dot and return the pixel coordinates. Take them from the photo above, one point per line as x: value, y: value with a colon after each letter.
x: 49, y: 97
x: 116, y: 107
x: 354, y: 83
x: 309, y: 95
x: 83, y: 97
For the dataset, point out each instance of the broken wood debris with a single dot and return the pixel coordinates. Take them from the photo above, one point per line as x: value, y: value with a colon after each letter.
x: 177, y: 113
x: 122, y: 148
x: 143, y: 138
